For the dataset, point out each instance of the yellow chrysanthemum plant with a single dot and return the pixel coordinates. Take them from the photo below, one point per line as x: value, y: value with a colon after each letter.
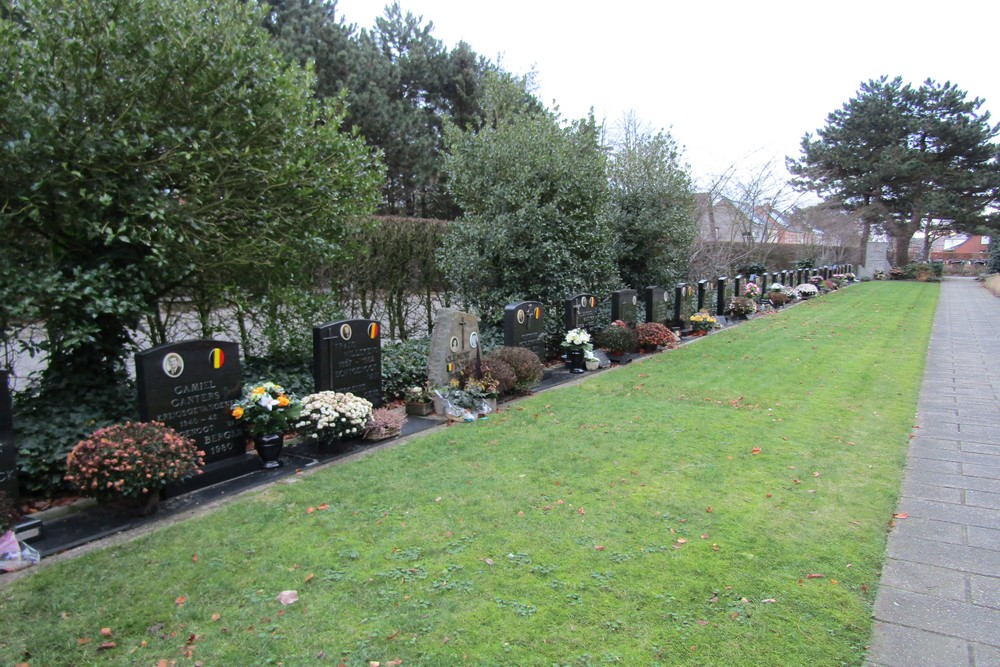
x: 266, y: 408
x: 702, y: 321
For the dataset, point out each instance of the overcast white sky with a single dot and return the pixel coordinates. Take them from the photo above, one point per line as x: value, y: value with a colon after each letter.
x: 736, y: 83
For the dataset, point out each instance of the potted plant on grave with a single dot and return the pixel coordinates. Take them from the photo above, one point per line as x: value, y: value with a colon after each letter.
x: 385, y: 423
x: 266, y: 411
x: 652, y: 335
x: 131, y: 463
x: 591, y: 361
x: 702, y: 323
x: 777, y: 295
x: 617, y: 339
x: 577, y: 344
x: 330, y: 416
x: 806, y: 291
x: 741, y: 307
x: 751, y: 290
x: 419, y: 401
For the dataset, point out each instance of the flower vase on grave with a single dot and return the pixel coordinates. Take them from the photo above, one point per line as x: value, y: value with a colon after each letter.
x: 269, y: 449
x: 575, y: 361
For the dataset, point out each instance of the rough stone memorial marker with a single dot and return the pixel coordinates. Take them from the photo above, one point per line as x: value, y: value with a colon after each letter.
x: 191, y: 386
x: 454, y: 345
x: 625, y: 306
x: 581, y: 312
x: 523, y: 326
x: 8, y: 452
x: 658, y: 307
x: 347, y: 357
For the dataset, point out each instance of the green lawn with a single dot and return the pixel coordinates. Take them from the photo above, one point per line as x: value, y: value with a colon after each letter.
x: 630, y: 519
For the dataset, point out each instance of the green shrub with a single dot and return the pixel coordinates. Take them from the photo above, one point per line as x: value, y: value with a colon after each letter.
x: 404, y: 365
x: 291, y: 372
x: 525, y: 364
x: 503, y: 373
x: 48, y: 424
x: 617, y: 338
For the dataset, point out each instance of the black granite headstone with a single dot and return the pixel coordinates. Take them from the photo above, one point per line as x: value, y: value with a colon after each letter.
x: 190, y: 387
x: 702, y: 291
x: 523, y: 326
x: 738, y: 285
x: 581, y: 312
x: 347, y: 357
x: 625, y: 306
x: 658, y: 307
x: 720, y: 295
x: 682, y: 305
x: 8, y: 452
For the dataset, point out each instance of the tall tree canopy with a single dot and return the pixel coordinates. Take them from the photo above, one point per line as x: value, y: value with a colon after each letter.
x: 400, y: 83
x: 651, y: 206
x: 157, y: 147
x: 903, y: 156
x: 534, y: 193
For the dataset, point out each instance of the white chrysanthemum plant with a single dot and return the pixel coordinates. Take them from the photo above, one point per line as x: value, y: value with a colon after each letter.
x: 578, y: 339
x: 806, y: 290
x: 333, y: 414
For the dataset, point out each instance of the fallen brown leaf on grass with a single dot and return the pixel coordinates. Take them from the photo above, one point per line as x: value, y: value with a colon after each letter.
x: 901, y: 515
x: 814, y: 576
x: 756, y: 450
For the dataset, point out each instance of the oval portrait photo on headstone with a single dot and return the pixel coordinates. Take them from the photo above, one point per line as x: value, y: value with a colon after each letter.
x: 454, y: 344
x: 520, y: 316
x: 173, y: 365
x: 474, y: 340
x: 345, y: 331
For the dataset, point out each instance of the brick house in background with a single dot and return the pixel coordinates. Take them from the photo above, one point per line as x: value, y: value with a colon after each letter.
x: 962, y: 248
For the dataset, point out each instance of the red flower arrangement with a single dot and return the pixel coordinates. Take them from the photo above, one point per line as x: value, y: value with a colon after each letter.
x: 131, y: 460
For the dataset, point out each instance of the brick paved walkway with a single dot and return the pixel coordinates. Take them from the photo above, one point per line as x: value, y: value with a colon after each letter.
x: 939, y: 599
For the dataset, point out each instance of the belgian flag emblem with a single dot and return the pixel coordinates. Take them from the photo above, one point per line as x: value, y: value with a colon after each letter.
x: 217, y: 357
x: 373, y: 330
x: 538, y: 313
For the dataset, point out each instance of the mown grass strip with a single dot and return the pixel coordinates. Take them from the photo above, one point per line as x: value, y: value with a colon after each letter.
x: 670, y: 512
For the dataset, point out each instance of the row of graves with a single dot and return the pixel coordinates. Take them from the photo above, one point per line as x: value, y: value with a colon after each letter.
x: 192, y: 385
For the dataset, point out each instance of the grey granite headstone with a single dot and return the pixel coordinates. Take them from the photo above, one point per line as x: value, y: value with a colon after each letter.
x: 190, y: 387
x: 523, y: 326
x: 8, y: 452
x: 876, y: 259
x: 347, y: 357
x: 454, y: 343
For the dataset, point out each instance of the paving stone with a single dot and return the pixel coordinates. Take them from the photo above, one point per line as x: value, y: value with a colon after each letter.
x: 984, y: 538
x: 961, y: 620
x: 933, y: 492
x: 984, y: 591
x: 896, y: 646
x: 935, y: 531
x: 956, y: 557
x: 985, y: 656
x: 982, y: 499
x: 981, y: 448
x: 925, y: 442
x: 954, y: 481
x: 980, y: 470
x: 927, y: 579
x: 933, y: 466
x: 955, y: 454
x: 981, y: 433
